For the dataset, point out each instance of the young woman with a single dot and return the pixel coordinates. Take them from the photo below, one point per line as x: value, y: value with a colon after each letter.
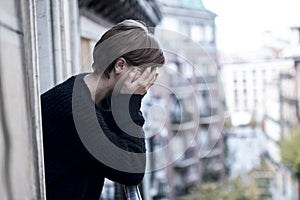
x: 92, y: 123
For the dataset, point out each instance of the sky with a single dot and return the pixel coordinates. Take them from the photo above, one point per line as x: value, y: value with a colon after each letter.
x: 241, y: 24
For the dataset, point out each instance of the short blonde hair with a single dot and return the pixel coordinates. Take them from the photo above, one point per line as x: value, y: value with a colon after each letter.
x: 131, y: 40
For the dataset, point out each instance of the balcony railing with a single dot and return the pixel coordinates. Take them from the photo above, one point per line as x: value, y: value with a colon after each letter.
x: 186, y: 162
x: 208, y: 112
x: 189, y: 158
x: 209, y: 119
x: 209, y: 115
x: 178, y: 117
x: 184, y: 126
x: 207, y: 79
x: 210, y: 153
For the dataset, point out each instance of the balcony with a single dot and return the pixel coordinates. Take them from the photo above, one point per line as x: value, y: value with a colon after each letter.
x: 209, y: 83
x: 189, y: 158
x: 211, y: 176
x: 212, y: 169
x: 184, y: 126
x: 180, y: 112
x: 192, y: 179
x: 207, y: 86
x: 208, y: 106
x: 180, y: 86
x: 210, y: 153
x: 182, y: 91
x: 209, y: 120
x: 116, y: 10
x: 186, y: 162
x: 207, y: 79
x: 208, y: 116
x: 179, y: 115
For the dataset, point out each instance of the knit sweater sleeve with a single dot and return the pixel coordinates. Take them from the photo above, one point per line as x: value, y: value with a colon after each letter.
x: 126, y: 120
x: 122, y: 125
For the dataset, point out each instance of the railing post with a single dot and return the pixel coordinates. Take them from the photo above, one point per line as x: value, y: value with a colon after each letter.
x: 132, y: 192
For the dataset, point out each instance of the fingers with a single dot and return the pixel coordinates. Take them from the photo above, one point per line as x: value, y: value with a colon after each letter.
x: 147, y: 76
x: 146, y: 80
x: 152, y: 81
x: 137, y: 82
x: 137, y: 75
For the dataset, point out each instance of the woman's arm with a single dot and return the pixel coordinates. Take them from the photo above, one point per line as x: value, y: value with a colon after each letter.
x: 122, y: 124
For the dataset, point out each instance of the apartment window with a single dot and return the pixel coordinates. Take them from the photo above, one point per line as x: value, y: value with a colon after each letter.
x: 176, y: 112
x: 185, y: 28
x: 236, y: 96
x: 263, y: 74
x: 209, y: 37
x: 177, y: 147
x: 244, y: 83
x: 188, y: 71
x: 197, y: 33
x: 86, y: 55
x: 245, y: 103
x: 203, y: 137
x: 171, y: 23
x: 192, y: 173
x: 244, y: 75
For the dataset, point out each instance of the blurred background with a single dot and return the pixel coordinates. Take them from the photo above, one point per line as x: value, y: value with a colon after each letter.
x: 222, y: 120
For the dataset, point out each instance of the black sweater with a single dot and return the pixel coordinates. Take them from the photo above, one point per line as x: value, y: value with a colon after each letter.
x: 84, y: 143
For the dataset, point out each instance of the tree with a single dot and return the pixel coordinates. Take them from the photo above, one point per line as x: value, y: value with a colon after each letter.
x: 229, y: 190
x: 290, y: 153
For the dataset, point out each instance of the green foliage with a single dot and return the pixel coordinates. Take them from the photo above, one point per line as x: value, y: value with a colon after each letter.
x: 290, y: 150
x: 229, y: 190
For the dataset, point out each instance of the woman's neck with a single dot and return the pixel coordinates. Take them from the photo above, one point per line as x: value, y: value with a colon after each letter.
x: 100, y: 87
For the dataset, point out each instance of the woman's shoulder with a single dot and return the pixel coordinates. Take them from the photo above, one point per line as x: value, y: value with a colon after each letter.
x: 66, y: 84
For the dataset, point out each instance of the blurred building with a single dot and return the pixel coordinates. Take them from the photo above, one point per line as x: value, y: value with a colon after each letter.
x: 290, y: 82
x: 268, y: 92
x: 42, y: 44
x: 290, y: 97
x: 246, y: 85
x: 188, y: 128
x: 272, y: 181
x: 288, y: 101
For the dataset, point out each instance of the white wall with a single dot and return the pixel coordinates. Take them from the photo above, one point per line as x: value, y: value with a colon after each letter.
x: 21, y: 157
x: 58, y: 41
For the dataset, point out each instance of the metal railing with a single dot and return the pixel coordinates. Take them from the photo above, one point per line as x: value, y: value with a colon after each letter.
x: 132, y: 192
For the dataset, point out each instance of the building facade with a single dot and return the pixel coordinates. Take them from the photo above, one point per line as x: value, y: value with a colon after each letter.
x: 267, y: 91
x: 246, y: 85
x: 188, y: 133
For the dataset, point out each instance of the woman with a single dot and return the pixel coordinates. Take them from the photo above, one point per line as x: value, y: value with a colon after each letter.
x: 92, y: 123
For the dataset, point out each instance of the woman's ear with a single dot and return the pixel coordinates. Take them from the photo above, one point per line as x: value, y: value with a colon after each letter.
x: 120, y: 65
